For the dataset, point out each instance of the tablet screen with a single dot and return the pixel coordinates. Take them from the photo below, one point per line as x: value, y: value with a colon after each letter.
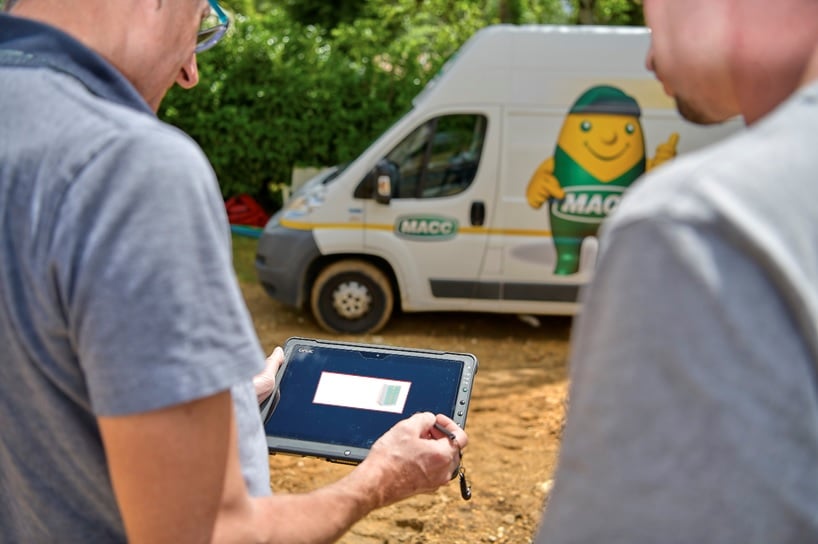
x: 350, y: 397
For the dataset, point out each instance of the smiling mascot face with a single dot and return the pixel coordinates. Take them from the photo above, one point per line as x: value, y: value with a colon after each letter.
x: 602, y: 133
x: 605, y: 145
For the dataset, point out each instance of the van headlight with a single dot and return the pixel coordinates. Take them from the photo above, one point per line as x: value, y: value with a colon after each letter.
x: 304, y: 204
x: 297, y: 206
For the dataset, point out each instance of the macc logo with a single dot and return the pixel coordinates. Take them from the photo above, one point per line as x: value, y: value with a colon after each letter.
x: 587, y: 204
x: 426, y: 227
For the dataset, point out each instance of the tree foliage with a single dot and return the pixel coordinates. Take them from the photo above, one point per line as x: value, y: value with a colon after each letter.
x: 327, y: 13
x: 296, y: 84
x: 609, y: 12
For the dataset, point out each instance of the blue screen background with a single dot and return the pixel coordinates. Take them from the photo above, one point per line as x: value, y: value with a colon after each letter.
x: 434, y: 389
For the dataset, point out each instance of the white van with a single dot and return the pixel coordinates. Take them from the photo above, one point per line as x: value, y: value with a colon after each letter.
x: 486, y: 196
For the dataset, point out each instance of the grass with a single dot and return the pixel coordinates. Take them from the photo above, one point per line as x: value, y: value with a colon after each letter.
x: 244, y: 257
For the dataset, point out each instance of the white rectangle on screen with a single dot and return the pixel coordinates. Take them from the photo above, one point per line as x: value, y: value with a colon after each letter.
x: 362, y: 392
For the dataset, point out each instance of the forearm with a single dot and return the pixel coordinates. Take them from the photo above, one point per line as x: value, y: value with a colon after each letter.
x: 400, y: 464
x: 170, y: 492
x: 320, y: 516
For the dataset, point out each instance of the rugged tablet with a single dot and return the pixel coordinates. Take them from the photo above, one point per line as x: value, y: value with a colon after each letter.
x: 334, y: 399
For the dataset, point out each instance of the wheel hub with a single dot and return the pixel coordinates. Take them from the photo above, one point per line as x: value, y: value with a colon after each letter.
x: 351, y: 300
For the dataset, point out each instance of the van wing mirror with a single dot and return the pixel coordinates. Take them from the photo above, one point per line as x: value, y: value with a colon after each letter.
x: 383, y: 188
x: 385, y: 175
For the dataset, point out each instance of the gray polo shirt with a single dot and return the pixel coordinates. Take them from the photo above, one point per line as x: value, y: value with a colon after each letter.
x: 117, y: 293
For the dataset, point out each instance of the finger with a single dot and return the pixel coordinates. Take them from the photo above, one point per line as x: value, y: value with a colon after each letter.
x: 554, y: 188
x: 419, y: 423
x: 452, y: 428
x: 265, y: 382
x: 533, y: 201
x: 674, y: 139
x: 275, y: 359
x: 455, y: 435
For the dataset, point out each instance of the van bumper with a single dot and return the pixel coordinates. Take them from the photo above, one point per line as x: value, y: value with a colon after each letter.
x: 283, y: 258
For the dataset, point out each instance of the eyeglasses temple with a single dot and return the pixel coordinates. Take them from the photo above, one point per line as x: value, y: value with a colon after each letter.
x: 219, y: 11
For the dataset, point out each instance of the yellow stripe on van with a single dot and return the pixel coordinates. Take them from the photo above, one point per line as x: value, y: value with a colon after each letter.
x: 304, y: 225
x: 521, y: 232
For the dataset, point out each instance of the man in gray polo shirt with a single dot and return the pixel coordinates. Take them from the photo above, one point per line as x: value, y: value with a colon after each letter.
x: 126, y: 396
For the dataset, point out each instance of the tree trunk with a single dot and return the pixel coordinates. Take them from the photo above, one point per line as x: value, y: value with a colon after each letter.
x: 586, y: 12
x: 509, y: 11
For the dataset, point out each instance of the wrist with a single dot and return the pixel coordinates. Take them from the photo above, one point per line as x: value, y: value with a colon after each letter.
x: 368, y: 487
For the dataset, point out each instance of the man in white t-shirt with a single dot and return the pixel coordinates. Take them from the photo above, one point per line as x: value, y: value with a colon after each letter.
x: 694, y: 365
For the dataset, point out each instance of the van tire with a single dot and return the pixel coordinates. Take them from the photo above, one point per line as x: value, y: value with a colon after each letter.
x: 352, y: 296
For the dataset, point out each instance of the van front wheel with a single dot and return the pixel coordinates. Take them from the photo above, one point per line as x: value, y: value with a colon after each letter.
x: 352, y: 296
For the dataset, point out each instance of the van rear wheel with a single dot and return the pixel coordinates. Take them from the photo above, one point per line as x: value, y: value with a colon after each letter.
x: 352, y: 296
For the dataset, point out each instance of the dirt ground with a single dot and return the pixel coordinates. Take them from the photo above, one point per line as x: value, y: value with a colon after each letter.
x: 514, y: 423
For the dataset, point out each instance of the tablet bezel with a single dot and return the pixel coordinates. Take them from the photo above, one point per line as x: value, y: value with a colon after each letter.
x: 354, y: 454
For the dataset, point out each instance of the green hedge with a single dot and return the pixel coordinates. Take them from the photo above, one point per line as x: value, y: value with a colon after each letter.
x: 275, y: 95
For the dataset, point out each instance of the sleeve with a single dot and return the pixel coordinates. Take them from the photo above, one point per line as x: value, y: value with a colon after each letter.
x: 143, y: 265
x: 688, y: 408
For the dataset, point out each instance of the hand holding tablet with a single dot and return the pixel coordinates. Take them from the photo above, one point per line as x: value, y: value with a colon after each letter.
x: 334, y: 400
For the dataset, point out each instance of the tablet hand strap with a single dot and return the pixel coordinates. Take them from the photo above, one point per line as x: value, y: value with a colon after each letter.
x: 465, y: 488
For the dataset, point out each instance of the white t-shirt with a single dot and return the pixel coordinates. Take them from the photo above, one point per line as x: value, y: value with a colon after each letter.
x: 693, y: 412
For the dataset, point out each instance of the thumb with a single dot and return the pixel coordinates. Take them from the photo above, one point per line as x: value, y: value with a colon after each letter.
x: 673, y: 140
x: 554, y: 187
x: 265, y: 382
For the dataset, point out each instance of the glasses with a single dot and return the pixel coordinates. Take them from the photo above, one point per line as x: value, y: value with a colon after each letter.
x: 213, y: 28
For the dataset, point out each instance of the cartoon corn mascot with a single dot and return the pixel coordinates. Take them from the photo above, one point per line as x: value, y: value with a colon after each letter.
x: 600, y: 152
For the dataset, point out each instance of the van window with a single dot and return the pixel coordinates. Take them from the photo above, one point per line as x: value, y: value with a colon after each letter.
x: 439, y: 158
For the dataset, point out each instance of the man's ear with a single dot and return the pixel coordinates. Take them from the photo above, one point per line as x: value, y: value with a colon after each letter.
x: 188, y: 75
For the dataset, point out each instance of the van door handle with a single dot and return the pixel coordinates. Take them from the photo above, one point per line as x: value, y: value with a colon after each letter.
x: 478, y: 213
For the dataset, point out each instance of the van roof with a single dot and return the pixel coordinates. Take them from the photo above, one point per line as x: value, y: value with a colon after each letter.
x: 517, y: 65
